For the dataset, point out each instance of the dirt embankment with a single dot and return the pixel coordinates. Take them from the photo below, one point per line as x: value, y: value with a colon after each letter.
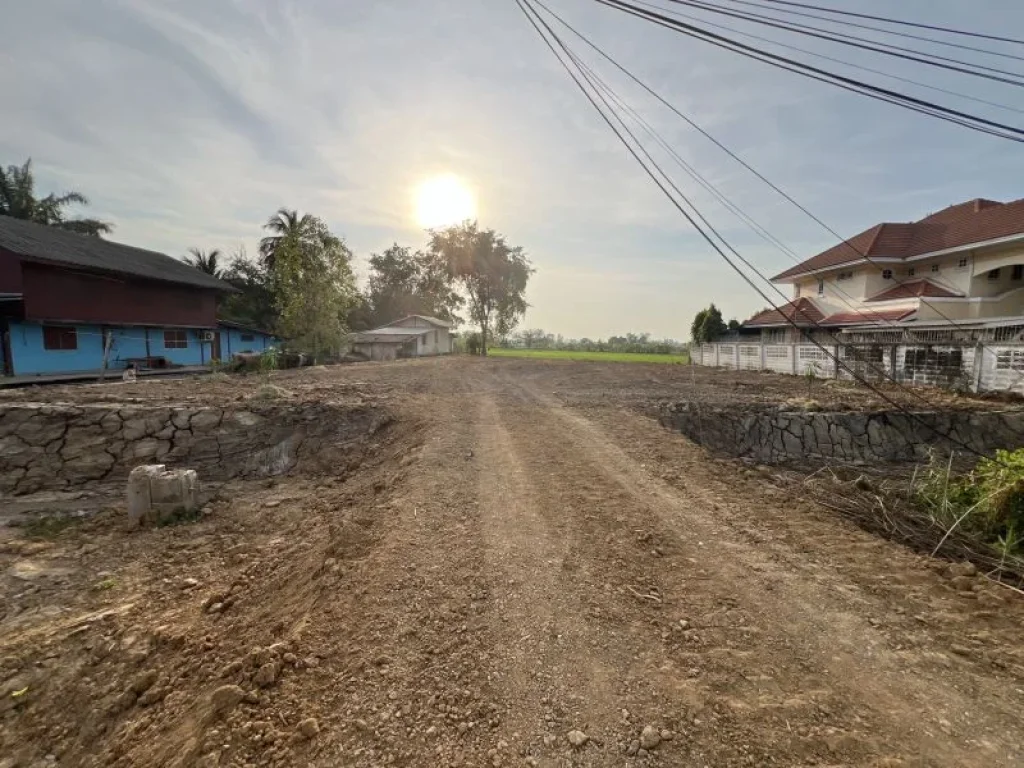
x: 523, y: 570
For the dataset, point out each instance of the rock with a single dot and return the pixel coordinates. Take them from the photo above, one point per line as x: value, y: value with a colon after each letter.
x: 189, y: 583
x: 231, y: 668
x: 226, y: 698
x: 633, y: 747
x: 961, y: 569
x: 650, y: 737
x: 667, y: 735
x: 145, y: 681
x: 577, y: 738
x: 266, y: 675
x: 156, y: 494
x: 290, y: 658
x: 309, y: 728
x: 152, y: 696
x: 271, y: 504
x: 962, y: 583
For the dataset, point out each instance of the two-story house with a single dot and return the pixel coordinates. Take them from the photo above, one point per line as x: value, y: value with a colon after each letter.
x: 74, y: 304
x: 959, y: 270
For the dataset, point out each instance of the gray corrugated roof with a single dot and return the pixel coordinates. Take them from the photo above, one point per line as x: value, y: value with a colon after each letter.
x: 36, y: 242
x: 390, y: 335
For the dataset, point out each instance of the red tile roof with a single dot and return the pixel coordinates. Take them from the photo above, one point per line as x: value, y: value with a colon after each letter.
x: 801, y: 311
x: 959, y: 225
x: 867, y: 317
x: 915, y: 289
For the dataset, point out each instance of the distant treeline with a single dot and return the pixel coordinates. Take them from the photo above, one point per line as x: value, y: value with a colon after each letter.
x: 640, y: 343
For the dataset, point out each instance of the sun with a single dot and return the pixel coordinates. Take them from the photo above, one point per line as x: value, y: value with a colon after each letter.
x: 442, y: 201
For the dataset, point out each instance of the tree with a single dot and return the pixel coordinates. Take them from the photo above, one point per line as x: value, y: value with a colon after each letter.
x: 707, y: 325
x: 255, y: 303
x: 18, y: 200
x: 405, y: 283
x: 734, y: 325
x: 205, y: 262
x: 492, y: 274
x: 314, y: 287
x: 285, y: 225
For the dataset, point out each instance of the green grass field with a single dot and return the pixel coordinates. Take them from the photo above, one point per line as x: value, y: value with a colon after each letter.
x: 597, y: 357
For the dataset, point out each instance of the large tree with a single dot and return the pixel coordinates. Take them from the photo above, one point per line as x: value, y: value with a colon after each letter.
x: 254, y: 304
x: 285, y: 226
x: 314, y: 288
x: 18, y: 199
x: 404, y: 283
x: 491, y: 273
x: 205, y: 261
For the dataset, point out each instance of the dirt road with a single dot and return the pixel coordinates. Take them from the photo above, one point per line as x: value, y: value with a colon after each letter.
x: 541, y: 563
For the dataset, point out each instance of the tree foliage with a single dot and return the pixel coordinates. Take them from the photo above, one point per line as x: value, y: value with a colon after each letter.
x: 708, y: 325
x: 314, y: 287
x: 254, y: 303
x: 286, y: 226
x: 637, y: 343
x: 405, y: 283
x: 491, y: 274
x: 18, y: 200
x: 205, y: 261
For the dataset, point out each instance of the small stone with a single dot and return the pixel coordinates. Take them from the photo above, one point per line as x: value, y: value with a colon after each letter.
x: 231, y: 668
x: 961, y: 569
x: 189, y: 583
x: 215, y: 608
x: 145, y: 681
x: 577, y: 738
x: 271, y: 504
x: 650, y: 737
x: 633, y: 747
x: 309, y: 728
x: 152, y: 696
x: 667, y: 735
x: 290, y: 658
x: 962, y: 583
x: 226, y: 698
x: 266, y: 675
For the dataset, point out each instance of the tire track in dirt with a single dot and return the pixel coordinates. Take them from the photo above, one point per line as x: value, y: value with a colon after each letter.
x: 838, y: 650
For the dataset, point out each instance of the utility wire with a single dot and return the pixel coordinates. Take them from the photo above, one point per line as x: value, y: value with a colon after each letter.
x: 826, y: 57
x: 918, y: 25
x: 654, y: 177
x: 910, y: 54
x: 964, y: 119
x: 689, y: 121
x: 881, y: 30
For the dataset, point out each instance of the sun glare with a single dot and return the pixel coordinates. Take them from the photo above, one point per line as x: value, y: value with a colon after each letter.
x: 443, y: 201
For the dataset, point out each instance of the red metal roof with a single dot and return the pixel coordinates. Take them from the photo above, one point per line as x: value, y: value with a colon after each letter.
x: 868, y: 317
x: 975, y: 221
x: 915, y: 289
x: 801, y: 311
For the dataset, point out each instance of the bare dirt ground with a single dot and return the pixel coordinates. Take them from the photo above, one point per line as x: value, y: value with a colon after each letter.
x: 523, y: 555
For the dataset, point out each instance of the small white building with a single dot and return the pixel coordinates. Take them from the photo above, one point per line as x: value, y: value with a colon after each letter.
x: 412, y: 336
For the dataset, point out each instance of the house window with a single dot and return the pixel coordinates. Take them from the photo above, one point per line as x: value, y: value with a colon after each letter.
x: 912, y: 271
x: 176, y: 339
x: 962, y: 264
x: 842, y: 276
x: 887, y: 274
x: 993, y: 274
x: 1018, y: 272
x: 56, y: 337
x: 248, y: 337
x: 821, y: 287
x: 935, y: 267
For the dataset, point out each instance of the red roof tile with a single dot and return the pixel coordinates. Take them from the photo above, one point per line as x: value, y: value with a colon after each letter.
x: 915, y: 289
x: 801, y: 311
x: 959, y: 225
x: 867, y: 317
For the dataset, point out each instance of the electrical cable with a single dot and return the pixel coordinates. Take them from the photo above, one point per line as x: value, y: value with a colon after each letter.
x: 826, y: 57
x: 523, y: 6
x: 964, y: 119
x: 881, y: 30
x: 948, y: 30
x: 910, y: 54
x: 843, y: 241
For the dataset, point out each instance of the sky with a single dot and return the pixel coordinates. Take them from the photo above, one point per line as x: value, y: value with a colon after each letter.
x: 188, y: 123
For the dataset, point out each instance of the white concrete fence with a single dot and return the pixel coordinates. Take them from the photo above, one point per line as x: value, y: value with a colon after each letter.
x: 982, y: 367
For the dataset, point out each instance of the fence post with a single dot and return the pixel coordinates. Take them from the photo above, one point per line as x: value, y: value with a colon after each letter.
x: 736, y: 356
x: 835, y: 353
x: 718, y: 356
x: 763, y: 360
x: 794, y: 350
x: 979, y: 364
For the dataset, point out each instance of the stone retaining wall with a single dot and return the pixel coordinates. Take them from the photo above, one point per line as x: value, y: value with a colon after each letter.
x: 47, y: 447
x: 772, y: 436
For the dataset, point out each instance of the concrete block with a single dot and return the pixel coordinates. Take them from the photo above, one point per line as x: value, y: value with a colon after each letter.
x: 157, y: 494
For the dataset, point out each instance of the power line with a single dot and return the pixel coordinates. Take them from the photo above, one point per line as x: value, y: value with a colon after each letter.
x: 964, y: 119
x: 887, y: 20
x: 881, y: 30
x: 826, y: 57
x: 803, y: 209
x: 910, y: 54
x: 693, y: 222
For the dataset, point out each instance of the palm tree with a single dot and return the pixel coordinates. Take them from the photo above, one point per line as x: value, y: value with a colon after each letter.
x: 18, y: 200
x: 284, y: 224
x: 205, y: 262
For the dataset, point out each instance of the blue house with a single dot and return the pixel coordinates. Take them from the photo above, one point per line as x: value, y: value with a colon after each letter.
x: 75, y: 304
